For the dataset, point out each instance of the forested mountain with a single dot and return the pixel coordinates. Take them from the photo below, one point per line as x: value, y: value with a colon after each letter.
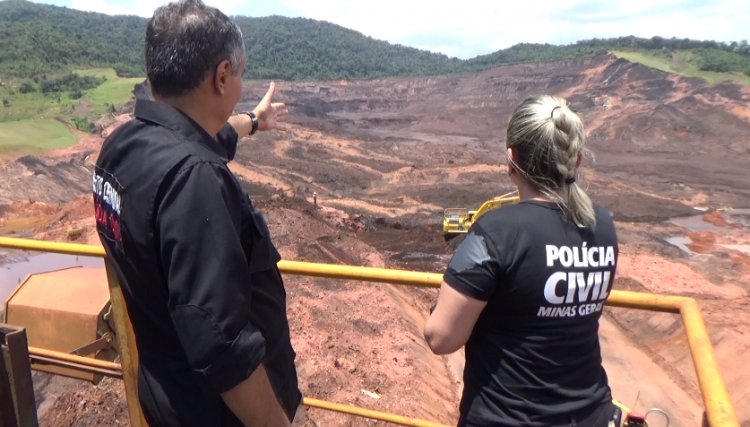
x: 707, y: 55
x: 298, y: 48
x: 38, y: 39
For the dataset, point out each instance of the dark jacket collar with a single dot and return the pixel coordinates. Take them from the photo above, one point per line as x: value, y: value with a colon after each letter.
x: 167, y: 116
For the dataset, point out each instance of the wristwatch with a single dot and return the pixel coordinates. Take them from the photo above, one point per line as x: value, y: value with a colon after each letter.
x: 254, y: 120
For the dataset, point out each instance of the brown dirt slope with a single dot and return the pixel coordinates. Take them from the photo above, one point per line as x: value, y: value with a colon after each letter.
x: 386, y: 156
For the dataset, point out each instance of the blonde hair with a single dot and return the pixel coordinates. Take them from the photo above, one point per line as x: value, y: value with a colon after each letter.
x: 547, y: 139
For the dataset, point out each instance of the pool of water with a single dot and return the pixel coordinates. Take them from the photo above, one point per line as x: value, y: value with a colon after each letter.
x: 681, y: 243
x: 14, y: 272
x: 739, y: 216
x: 696, y: 223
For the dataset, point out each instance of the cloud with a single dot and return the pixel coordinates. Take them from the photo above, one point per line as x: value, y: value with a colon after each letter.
x: 475, y: 27
x: 696, y: 19
x: 463, y: 30
x: 144, y: 8
x: 469, y: 28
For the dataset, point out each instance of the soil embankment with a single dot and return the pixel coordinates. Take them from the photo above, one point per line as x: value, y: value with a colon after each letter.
x: 386, y: 156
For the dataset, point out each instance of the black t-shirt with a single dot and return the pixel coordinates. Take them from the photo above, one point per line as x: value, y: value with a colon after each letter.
x: 197, y: 266
x: 533, y: 358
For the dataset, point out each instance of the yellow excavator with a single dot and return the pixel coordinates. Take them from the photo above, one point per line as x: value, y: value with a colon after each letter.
x: 458, y: 220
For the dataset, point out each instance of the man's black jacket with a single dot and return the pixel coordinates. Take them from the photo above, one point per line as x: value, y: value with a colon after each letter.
x: 197, y: 266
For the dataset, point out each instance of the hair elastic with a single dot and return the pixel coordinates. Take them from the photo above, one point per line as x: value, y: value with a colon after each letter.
x: 570, y: 180
x: 552, y: 114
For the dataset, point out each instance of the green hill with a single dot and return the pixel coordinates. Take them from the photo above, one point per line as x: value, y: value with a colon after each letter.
x: 42, y: 41
x: 305, y: 49
x: 61, y: 69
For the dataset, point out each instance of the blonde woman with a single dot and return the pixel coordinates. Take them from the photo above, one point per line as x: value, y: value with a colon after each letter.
x: 525, y: 289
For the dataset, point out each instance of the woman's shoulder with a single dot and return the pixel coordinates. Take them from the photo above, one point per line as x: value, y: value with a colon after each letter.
x: 525, y: 210
x: 603, y: 214
x: 516, y: 216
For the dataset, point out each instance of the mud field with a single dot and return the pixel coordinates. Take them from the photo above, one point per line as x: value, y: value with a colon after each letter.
x: 385, y: 157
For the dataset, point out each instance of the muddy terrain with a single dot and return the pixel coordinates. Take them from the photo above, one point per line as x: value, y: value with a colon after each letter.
x: 385, y: 157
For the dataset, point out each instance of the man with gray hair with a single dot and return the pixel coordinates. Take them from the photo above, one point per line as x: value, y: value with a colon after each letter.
x: 195, y: 258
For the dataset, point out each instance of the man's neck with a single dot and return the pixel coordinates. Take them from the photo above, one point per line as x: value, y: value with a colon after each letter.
x: 194, y: 106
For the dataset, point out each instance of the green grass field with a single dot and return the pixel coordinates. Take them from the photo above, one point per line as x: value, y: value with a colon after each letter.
x: 33, y: 135
x: 683, y: 65
x: 30, y: 122
x: 21, y: 106
x: 114, y: 91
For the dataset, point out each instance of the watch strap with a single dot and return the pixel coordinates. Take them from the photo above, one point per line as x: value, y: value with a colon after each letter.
x: 254, y: 121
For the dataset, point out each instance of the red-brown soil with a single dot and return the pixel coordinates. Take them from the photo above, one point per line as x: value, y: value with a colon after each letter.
x: 386, y: 156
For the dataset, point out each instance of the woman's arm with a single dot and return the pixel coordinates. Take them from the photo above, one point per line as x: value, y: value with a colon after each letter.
x: 451, y: 322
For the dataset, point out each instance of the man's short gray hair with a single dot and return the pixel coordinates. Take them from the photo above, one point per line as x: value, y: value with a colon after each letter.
x: 185, y: 41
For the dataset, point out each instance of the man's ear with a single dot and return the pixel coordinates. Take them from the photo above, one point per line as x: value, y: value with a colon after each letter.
x: 221, y: 76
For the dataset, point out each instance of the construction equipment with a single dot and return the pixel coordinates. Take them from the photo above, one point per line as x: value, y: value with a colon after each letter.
x: 66, y: 310
x: 458, y: 220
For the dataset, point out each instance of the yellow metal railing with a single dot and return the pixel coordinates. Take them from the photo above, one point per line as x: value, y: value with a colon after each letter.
x: 719, y: 409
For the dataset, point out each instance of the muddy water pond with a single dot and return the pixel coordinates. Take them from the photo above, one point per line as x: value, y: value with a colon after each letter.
x: 739, y: 217
x: 696, y: 223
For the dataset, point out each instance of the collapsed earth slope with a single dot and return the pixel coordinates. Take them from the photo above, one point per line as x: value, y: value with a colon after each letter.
x: 384, y: 157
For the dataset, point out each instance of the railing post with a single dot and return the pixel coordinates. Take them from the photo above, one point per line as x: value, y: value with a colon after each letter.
x: 17, y: 405
x: 7, y: 408
x: 719, y: 409
x: 128, y: 348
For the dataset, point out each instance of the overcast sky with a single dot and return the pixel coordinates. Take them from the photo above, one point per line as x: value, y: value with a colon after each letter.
x: 469, y: 28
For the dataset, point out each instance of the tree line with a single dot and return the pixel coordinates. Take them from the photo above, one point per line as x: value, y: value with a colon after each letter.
x: 42, y: 39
